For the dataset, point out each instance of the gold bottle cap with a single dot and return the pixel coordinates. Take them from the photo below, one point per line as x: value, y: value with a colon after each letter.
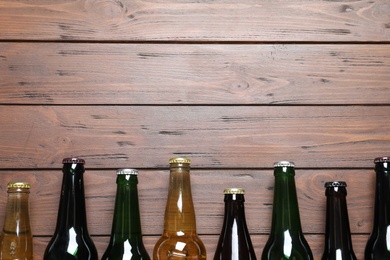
x: 284, y: 164
x: 127, y: 172
x: 179, y: 160
x: 18, y: 185
x: 234, y: 191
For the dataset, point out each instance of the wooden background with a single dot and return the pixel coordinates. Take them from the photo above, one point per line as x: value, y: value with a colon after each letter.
x: 233, y: 85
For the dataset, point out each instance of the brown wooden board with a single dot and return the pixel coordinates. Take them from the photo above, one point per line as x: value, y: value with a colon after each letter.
x: 271, y: 74
x: 224, y: 20
x: 213, y: 136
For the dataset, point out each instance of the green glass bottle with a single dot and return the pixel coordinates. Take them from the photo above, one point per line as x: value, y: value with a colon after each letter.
x: 286, y: 240
x: 126, y: 236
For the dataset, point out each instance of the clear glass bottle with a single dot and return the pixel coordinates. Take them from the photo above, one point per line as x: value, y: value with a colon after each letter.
x: 378, y: 245
x: 71, y: 240
x: 338, y: 243
x: 126, y: 237
x: 234, y: 242
x: 179, y: 239
x: 286, y: 240
x: 16, y: 237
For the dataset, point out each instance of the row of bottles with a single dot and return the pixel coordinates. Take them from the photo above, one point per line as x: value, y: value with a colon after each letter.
x: 179, y: 240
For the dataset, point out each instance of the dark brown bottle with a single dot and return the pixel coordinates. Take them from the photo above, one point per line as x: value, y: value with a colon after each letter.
x: 71, y: 240
x: 16, y: 237
x: 378, y: 245
x: 338, y: 243
x: 234, y: 242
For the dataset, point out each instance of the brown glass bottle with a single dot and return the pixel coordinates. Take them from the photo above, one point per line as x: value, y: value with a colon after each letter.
x: 378, y: 245
x: 234, y: 242
x: 16, y: 236
x: 338, y: 243
x: 71, y: 240
x: 179, y: 239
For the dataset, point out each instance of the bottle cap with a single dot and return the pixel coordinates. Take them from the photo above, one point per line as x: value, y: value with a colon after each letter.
x: 332, y: 184
x: 284, y: 164
x: 179, y: 160
x: 234, y: 191
x: 18, y: 185
x: 382, y: 159
x: 73, y: 160
x: 127, y: 172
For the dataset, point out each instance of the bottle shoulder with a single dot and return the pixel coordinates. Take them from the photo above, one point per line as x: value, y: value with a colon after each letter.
x: 188, y: 246
x: 287, y: 247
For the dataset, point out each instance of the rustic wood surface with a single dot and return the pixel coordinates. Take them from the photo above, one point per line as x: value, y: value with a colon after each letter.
x: 194, y: 74
x: 188, y: 20
x: 234, y: 85
x: 213, y: 136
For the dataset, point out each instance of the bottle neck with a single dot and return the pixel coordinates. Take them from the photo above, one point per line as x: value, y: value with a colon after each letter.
x: 126, y: 223
x: 71, y: 212
x: 17, y: 217
x: 337, y: 231
x: 382, y: 197
x: 234, y: 218
x: 179, y: 211
x: 285, y: 213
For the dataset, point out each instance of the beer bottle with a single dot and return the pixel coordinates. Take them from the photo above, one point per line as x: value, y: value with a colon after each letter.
x: 179, y: 239
x: 126, y: 237
x: 71, y: 239
x: 378, y: 245
x: 16, y: 238
x: 338, y: 244
x: 286, y: 240
x: 234, y: 242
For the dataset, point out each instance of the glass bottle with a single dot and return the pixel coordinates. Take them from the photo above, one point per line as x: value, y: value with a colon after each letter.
x: 234, y: 242
x: 180, y: 239
x: 378, y: 245
x: 71, y: 239
x: 126, y: 237
x: 286, y: 240
x: 16, y: 237
x: 338, y: 243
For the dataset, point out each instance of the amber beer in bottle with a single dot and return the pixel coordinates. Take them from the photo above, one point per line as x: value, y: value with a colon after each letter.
x: 338, y: 244
x: 286, y: 240
x: 71, y: 239
x: 234, y: 242
x: 378, y: 245
x: 16, y: 237
x: 179, y: 239
x: 126, y: 237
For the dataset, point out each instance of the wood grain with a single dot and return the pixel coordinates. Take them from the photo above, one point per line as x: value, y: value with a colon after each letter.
x: 207, y: 190
x: 46, y: 73
x: 218, y: 137
x: 188, y: 20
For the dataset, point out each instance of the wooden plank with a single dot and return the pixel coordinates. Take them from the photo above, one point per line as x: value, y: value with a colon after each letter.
x: 219, y: 136
x: 55, y: 73
x: 315, y: 242
x: 225, y: 20
x: 207, y: 190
